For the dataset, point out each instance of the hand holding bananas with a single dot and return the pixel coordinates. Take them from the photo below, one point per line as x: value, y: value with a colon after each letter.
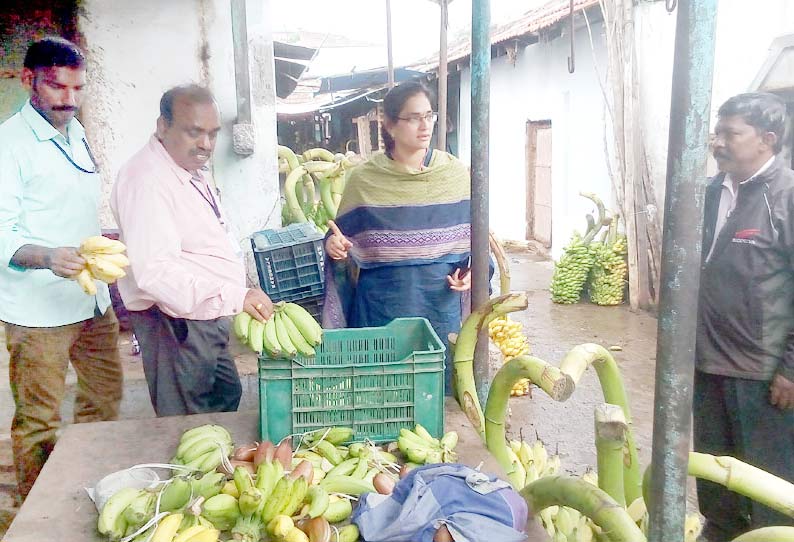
x: 103, y: 260
x: 258, y: 305
x: 289, y: 332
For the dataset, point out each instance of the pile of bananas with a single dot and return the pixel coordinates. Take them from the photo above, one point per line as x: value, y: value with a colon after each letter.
x: 420, y: 447
x: 531, y: 462
x: 203, y: 448
x: 314, y: 184
x: 291, y: 331
x: 570, y: 273
x: 103, y: 261
x: 272, y: 492
x: 508, y: 336
x: 608, y: 273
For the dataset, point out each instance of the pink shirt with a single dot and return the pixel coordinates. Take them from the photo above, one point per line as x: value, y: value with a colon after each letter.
x: 181, y: 257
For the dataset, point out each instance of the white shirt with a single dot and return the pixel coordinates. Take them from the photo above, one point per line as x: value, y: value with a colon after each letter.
x: 728, y: 201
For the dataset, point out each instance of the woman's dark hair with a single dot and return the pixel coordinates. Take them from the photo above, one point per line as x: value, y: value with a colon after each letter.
x: 53, y: 51
x: 393, y: 103
x: 763, y: 111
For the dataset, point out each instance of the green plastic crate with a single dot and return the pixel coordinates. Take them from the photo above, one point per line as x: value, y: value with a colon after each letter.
x: 375, y: 380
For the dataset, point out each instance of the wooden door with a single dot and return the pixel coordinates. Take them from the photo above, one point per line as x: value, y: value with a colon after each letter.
x: 539, y: 182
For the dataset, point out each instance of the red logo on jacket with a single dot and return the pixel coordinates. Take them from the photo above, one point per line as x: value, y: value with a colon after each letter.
x: 746, y: 234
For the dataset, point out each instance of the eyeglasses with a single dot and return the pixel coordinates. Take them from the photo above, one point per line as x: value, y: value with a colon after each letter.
x: 431, y: 117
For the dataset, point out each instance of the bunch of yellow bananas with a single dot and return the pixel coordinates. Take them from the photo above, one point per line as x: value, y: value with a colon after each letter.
x: 509, y: 337
x: 530, y: 462
x: 291, y: 331
x: 104, y: 261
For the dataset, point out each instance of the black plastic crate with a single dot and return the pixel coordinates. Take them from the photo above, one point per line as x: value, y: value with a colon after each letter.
x: 290, y: 262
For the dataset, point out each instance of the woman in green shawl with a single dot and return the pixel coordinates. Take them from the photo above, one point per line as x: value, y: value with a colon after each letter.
x: 403, y: 228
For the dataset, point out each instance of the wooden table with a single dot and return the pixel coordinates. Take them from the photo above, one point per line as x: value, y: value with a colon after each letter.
x: 58, y: 507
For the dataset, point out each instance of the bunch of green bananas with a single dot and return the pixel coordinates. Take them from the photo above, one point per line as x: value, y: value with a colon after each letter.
x: 608, y: 273
x: 290, y: 332
x: 203, y: 448
x: 420, y: 447
x: 129, y: 510
x: 570, y: 273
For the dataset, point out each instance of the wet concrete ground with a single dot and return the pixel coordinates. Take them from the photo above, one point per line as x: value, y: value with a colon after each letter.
x: 552, y: 331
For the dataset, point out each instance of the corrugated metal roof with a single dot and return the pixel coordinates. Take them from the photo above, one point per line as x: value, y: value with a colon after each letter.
x: 532, y: 21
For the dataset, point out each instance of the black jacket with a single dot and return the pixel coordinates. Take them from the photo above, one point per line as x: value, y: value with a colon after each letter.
x: 746, y: 303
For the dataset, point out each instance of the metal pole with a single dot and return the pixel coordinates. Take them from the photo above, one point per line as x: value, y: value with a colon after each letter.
x: 241, y: 76
x: 389, y: 44
x: 680, y: 274
x: 480, y: 121
x: 441, y: 137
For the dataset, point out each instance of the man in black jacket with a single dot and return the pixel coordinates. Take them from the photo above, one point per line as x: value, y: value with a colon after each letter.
x: 744, y: 378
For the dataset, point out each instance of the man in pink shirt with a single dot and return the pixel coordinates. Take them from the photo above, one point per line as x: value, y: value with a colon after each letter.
x: 186, y: 275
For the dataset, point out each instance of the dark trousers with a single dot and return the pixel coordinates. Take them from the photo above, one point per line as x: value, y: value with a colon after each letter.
x: 733, y: 416
x: 187, y: 363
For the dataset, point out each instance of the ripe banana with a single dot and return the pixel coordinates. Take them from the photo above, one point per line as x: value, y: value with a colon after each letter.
x: 86, y: 281
x: 188, y: 533
x: 304, y: 321
x: 111, y: 519
x: 100, y: 244
x: 104, y: 270
x: 166, y: 529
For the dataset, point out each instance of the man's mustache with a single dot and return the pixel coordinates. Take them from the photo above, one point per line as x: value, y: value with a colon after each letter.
x: 65, y: 108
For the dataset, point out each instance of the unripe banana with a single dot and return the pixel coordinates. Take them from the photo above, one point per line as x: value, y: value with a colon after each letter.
x: 111, y: 519
x: 301, y: 345
x: 338, y: 510
x: 288, y: 348
x: 256, y: 330
x: 270, y: 339
x: 305, y: 323
x: 221, y: 510
x: 175, y: 495
x: 241, y: 323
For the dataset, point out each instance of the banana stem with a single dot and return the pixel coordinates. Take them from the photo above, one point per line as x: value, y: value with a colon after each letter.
x: 326, y: 198
x: 290, y: 186
x: 744, y: 479
x: 319, y: 154
x: 463, y: 362
x: 501, y: 261
x: 575, y: 363
x: 599, y: 205
x: 768, y: 534
x: 610, y: 436
x: 287, y: 154
x: 550, y: 379
x: 589, y: 500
